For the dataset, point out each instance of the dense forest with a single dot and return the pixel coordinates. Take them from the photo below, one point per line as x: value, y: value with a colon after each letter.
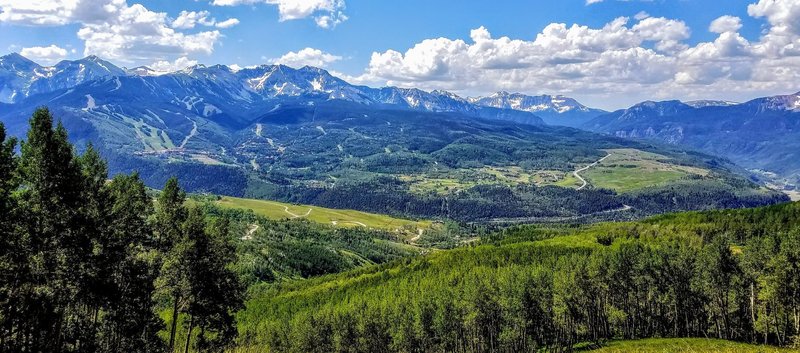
x: 90, y: 265
x: 725, y: 274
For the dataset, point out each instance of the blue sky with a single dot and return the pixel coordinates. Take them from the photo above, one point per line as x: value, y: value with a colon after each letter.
x: 621, y: 68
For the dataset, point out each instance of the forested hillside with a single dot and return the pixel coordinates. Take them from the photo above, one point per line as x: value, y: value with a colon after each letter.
x: 87, y: 264
x: 726, y: 274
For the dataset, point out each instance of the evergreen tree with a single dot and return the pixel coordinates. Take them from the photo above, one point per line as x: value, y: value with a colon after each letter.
x: 170, y: 220
x: 217, y: 291
x: 171, y: 215
x: 53, y: 243
x: 131, y: 324
x: 10, y: 259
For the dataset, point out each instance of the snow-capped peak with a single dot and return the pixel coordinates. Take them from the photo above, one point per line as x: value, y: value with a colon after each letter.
x: 790, y: 102
x: 535, y: 104
x: 710, y: 103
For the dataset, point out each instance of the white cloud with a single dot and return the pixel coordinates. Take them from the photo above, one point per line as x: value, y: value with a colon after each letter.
x: 621, y: 62
x: 45, y: 55
x: 641, y: 15
x: 589, y: 2
x: 115, y: 30
x: 326, y: 13
x: 189, y: 19
x: 725, y: 24
x: 307, y: 57
x: 330, y: 21
x: 57, y: 12
x: 228, y: 23
x: 164, y: 66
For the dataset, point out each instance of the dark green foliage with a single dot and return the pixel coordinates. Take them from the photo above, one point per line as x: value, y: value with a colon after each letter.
x: 214, y: 291
x: 171, y: 214
x: 79, y: 256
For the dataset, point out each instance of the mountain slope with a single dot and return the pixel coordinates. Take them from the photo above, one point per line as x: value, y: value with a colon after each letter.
x: 302, y: 135
x: 21, y: 78
x: 761, y: 134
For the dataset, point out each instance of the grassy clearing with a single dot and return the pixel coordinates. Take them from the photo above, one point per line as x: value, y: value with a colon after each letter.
x: 460, y: 179
x: 569, y: 181
x: 696, y: 345
x: 339, y: 218
x: 623, y: 171
x: 206, y: 159
x: 424, y: 185
x: 630, y: 169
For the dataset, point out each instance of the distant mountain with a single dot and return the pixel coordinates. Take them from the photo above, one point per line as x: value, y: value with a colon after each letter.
x: 554, y: 110
x: 760, y: 134
x: 709, y: 103
x: 21, y: 78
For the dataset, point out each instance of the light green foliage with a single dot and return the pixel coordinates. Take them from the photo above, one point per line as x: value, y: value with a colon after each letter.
x: 682, y: 345
x: 338, y: 218
x: 630, y: 169
x: 672, y: 276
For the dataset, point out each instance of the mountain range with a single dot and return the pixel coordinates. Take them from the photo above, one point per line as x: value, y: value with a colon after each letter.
x: 280, y: 132
x: 21, y: 78
x: 762, y: 134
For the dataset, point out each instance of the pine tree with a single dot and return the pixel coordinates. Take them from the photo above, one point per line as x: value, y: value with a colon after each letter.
x: 103, y: 255
x: 10, y: 261
x: 215, y: 289
x: 53, y: 242
x: 171, y: 217
x: 130, y: 324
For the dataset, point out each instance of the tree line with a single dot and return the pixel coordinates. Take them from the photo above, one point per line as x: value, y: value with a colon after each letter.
x: 89, y: 264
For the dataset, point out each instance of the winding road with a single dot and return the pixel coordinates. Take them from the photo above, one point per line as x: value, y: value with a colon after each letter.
x: 286, y: 209
x: 575, y: 173
x: 349, y: 222
x: 250, y: 232
x: 416, y: 237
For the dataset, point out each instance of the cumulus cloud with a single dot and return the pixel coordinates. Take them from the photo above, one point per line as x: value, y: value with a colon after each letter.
x: 45, y: 55
x: 725, y: 24
x: 57, y: 12
x: 624, y: 60
x: 117, y: 31
x: 306, y: 57
x: 641, y: 15
x: 228, y: 23
x: 189, y: 19
x: 326, y: 13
